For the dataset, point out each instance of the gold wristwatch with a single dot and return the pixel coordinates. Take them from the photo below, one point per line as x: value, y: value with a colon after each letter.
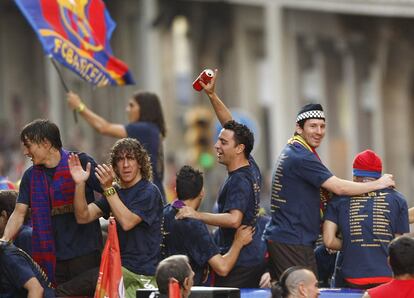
x: 109, y: 191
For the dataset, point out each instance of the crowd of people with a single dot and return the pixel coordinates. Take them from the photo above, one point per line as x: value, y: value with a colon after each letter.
x: 51, y: 239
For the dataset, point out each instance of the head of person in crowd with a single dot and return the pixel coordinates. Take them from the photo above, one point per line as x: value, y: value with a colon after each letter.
x: 401, y: 257
x: 310, y: 124
x: 41, y: 140
x: 295, y: 282
x: 7, y: 204
x: 175, y: 267
x: 146, y: 106
x: 130, y: 162
x: 234, y: 144
x: 189, y: 185
x: 367, y: 166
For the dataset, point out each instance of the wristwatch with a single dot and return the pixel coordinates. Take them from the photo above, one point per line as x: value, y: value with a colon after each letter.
x: 109, y: 191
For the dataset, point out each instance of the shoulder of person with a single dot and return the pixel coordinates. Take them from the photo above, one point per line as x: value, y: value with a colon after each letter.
x: 299, y: 154
x: 336, y: 200
x: 147, y: 189
x: 394, y: 194
x: 142, y: 125
x: 27, y: 173
x: 84, y: 158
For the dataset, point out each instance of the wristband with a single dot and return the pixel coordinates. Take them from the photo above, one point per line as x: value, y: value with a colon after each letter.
x: 109, y: 191
x: 81, y: 107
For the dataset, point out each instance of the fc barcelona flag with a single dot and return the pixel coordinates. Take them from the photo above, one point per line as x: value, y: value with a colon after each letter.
x: 76, y: 33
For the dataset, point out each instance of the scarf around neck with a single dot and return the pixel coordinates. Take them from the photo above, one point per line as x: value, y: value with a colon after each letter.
x: 44, y: 197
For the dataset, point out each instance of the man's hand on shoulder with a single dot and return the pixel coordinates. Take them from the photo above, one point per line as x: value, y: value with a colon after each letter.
x: 186, y: 212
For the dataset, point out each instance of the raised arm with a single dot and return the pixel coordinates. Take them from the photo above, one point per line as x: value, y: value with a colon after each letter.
x: 223, y: 264
x: 84, y: 212
x: 222, y: 112
x: 99, y: 123
x: 343, y: 187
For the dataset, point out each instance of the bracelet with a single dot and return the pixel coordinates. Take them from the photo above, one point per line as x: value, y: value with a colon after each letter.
x: 81, y: 107
x: 109, y: 191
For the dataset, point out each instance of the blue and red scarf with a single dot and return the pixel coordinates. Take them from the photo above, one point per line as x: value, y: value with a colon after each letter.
x: 44, y: 197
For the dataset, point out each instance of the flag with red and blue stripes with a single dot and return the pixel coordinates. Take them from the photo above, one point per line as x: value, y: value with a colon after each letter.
x: 77, y: 33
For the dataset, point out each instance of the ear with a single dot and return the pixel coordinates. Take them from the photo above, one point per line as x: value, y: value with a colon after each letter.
x: 202, y: 193
x: 298, y: 129
x: 4, y: 214
x: 186, y: 284
x: 45, y: 144
x: 302, y: 289
x: 240, y: 148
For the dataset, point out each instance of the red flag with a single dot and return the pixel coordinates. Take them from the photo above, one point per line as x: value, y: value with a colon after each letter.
x: 174, y: 289
x: 110, y: 283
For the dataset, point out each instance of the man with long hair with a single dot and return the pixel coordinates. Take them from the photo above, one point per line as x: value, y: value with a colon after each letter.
x: 134, y: 201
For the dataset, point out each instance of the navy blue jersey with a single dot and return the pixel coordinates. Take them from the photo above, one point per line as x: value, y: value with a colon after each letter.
x: 24, y: 239
x: 149, y: 136
x: 16, y: 268
x: 241, y: 191
x: 295, y: 201
x: 188, y: 237
x: 139, y: 246
x: 368, y: 223
x: 67, y: 232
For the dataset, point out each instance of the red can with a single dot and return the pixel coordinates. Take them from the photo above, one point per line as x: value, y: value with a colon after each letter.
x: 206, y: 75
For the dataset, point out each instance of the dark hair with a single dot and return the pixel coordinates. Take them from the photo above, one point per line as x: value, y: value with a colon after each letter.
x: 150, y: 109
x: 8, y: 201
x: 242, y: 135
x: 281, y: 289
x: 189, y: 183
x: 301, y: 123
x: 401, y: 252
x: 132, y: 147
x: 177, y: 267
x: 41, y: 130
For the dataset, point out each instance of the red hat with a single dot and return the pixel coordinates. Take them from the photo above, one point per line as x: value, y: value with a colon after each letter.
x: 367, y: 164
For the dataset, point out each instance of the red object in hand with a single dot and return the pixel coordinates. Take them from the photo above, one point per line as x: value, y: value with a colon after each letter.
x: 206, y: 75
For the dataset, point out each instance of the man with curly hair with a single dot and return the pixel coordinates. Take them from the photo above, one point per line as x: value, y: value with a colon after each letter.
x: 136, y: 204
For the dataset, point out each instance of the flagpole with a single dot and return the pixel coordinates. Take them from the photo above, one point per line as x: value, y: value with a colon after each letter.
x: 75, y: 116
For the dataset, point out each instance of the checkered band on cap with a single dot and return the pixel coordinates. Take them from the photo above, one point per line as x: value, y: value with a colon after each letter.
x: 314, y: 114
